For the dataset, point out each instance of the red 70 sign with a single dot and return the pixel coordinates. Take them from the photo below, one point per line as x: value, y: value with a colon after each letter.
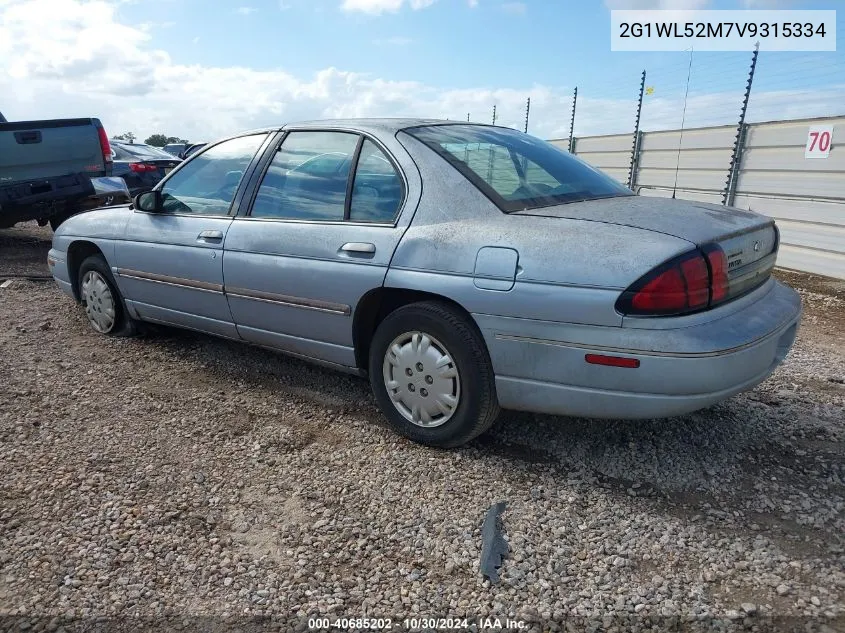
x: 819, y: 141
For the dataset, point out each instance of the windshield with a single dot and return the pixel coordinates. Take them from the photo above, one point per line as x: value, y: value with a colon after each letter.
x: 515, y: 170
x: 146, y: 152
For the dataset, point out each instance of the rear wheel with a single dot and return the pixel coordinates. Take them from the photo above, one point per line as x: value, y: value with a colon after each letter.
x: 102, y: 300
x: 431, y: 375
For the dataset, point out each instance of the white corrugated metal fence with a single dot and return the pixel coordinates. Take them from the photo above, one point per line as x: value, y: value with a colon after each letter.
x: 805, y: 195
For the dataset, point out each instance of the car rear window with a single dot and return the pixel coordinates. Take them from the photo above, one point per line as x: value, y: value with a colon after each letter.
x: 145, y: 152
x: 515, y: 170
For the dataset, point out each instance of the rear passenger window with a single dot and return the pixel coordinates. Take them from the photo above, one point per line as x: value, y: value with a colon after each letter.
x: 307, y: 178
x: 377, y: 191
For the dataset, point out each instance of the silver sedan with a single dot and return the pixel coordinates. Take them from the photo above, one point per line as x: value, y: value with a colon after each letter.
x: 462, y: 267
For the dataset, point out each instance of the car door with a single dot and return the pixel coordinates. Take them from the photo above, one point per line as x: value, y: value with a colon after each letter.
x: 320, y: 234
x: 170, y: 264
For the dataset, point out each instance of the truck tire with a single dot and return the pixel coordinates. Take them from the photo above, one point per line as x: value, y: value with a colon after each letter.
x: 57, y: 219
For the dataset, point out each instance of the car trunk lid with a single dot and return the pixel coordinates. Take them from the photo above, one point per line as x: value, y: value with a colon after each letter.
x: 748, y: 240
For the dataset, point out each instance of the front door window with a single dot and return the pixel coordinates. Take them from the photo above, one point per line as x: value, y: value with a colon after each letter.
x: 207, y: 185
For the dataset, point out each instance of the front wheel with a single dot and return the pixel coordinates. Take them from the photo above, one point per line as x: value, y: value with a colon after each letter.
x: 431, y: 375
x: 102, y: 300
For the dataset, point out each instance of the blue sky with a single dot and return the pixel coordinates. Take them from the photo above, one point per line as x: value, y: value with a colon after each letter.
x: 449, y: 43
x: 201, y: 69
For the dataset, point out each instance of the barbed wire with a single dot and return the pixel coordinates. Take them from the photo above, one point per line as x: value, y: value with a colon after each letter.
x: 786, y: 85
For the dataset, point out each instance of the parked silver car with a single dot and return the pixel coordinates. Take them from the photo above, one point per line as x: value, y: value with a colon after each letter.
x: 462, y: 267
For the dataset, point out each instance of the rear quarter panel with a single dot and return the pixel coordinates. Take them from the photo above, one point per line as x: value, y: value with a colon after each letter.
x: 568, y: 270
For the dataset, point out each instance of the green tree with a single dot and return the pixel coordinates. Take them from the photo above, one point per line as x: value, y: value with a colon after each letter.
x: 160, y: 140
x: 157, y: 140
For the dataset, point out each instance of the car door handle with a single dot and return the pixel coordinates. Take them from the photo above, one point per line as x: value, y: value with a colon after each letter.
x: 358, y: 247
x: 210, y: 236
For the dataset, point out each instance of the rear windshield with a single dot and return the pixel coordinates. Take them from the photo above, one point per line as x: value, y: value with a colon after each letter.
x: 146, y: 152
x: 515, y: 170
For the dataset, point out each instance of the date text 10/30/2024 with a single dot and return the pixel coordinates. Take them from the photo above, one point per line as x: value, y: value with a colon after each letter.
x: 416, y: 623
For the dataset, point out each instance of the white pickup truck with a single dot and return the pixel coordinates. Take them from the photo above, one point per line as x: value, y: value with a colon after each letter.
x: 52, y: 169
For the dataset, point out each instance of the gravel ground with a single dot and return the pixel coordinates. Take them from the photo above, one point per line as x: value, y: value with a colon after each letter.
x: 23, y: 250
x: 177, y: 475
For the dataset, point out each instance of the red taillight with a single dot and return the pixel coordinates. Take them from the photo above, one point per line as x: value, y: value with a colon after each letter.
x: 140, y: 168
x: 105, y: 146
x: 681, y: 285
x: 718, y: 273
x: 697, y: 280
x: 694, y: 281
x: 664, y: 292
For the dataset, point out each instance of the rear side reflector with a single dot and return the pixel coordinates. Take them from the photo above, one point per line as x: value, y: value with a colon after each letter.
x: 612, y: 361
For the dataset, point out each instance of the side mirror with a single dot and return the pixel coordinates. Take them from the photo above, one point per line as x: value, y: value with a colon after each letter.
x: 148, y: 201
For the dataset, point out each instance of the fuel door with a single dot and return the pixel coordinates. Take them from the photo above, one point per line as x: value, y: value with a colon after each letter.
x: 495, y: 268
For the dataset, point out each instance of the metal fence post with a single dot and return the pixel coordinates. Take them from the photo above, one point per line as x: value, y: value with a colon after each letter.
x: 636, y: 141
x: 572, y: 122
x: 494, y: 114
x: 527, y: 110
x: 739, y: 142
x: 635, y: 163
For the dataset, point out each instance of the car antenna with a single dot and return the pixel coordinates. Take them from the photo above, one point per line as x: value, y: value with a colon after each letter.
x: 683, y: 120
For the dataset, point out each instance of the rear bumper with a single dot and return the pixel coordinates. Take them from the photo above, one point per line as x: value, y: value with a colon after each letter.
x: 113, y: 187
x: 681, y: 369
x: 45, y: 197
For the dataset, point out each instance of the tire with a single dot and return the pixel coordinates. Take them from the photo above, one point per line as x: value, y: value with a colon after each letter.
x: 450, y: 334
x: 107, y: 314
x: 56, y: 220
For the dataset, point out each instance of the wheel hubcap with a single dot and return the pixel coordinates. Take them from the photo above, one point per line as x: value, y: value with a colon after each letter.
x: 421, y: 379
x: 99, y: 302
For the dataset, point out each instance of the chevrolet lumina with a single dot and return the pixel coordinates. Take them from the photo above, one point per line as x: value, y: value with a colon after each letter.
x: 461, y: 267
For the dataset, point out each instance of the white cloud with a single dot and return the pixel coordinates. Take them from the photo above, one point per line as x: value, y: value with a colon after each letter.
x: 657, y: 4
x: 63, y: 67
x: 377, y: 7
x: 245, y: 10
x: 472, y: 3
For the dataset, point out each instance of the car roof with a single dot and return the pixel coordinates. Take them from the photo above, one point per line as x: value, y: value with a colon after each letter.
x: 376, y: 125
